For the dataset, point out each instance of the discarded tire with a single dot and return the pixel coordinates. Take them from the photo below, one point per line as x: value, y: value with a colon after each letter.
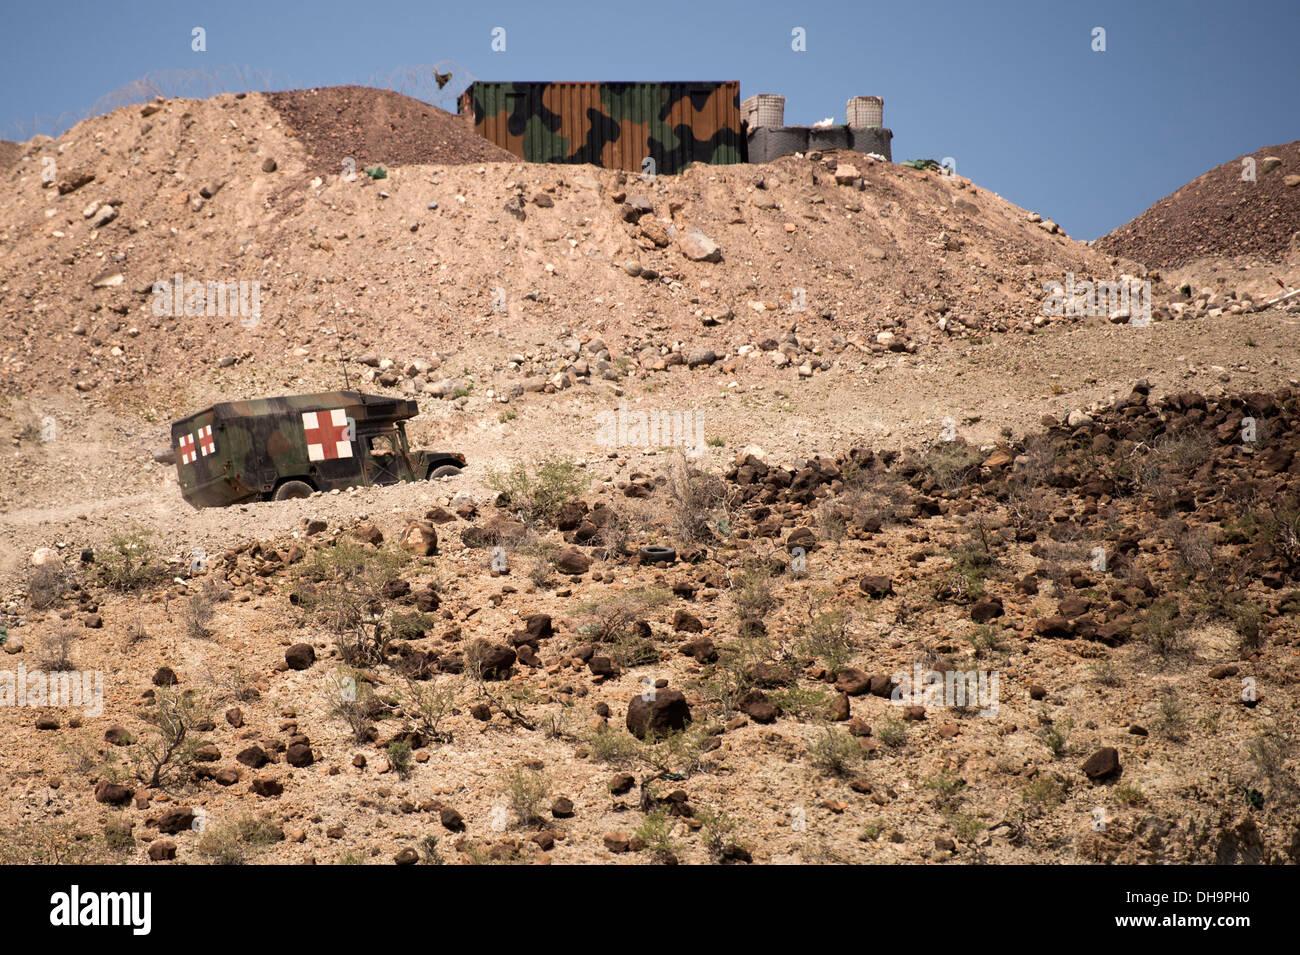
x: 653, y: 555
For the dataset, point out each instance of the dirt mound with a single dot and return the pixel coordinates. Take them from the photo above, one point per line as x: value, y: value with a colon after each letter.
x: 379, y: 126
x: 1218, y: 213
x: 9, y: 153
x: 851, y: 257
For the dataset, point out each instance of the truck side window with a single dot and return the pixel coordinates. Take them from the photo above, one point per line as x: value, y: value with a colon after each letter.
x: 381, y: 444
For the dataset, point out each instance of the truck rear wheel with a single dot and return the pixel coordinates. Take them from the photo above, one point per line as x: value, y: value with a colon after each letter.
x: 292, y: 490
x: 446, y: 470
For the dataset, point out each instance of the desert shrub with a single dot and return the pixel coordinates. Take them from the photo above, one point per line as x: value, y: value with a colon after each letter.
x: 237, y: 684
x: 231, y: 842
x: 399, y: 757
x: 631, y: 650
x: 610, y: 618
x: 732, y: 676
x: 835, y: 752
x: 1128, y: 794
x: 833, y: 522
x: 526, y: 791
x: 656, y: 831
x: 56, y: 651
x: 1248, y: 621
x: 608, y: 745
x: 716, y: 835
x: 350, y: 698
x: 541, y: 555
x: 46, y: 585
x: 429, y: 850
x: 117, y: 834
x: 1268, y: 754
x: 130, y: 561
x: 988, y: 638
x: 1172, y: 720
x: 826, y: 635
x: 1106, y: 673
x: 892, y: 733
x: 196, y: 614
x: 751, y: 590
x: 1056, y: 736
x: 47, y: 843
x: 951, y: 464
x: 1194, y: 546
x: 947, y: 791
x: 1044, y: 792
x: 1161, y: 630
x: 341, y: 587
x: 972, y: 564
x: 536, y: 490
x: 166, y: 752
x: 1163, y: 471
x: 801, y: 702
x: 696, y: 501
x: 425, y: 706
x: 965, y: 826
x: 412, y: 625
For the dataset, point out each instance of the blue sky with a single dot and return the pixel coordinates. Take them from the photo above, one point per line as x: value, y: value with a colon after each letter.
x: 1012, y: 91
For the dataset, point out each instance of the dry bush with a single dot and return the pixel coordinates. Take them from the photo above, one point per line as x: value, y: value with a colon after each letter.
x: 527, y: 790
x: 166, y: 753
x: 46, y: 585
x: 825, y: 636
x: 341, y: 587
x: 536, y: 490
x: 1163, y: 471
x: 951, y: 464
x: 130, y: 561
x: 425, y: 705
x: 1194, y: 546
x: 610, y: 618
x: 697, y: 502
x: 196, y: 614
x: 231, y: 842
x: 751, y: 590
x: 350, y: 698
x: 56, y: 651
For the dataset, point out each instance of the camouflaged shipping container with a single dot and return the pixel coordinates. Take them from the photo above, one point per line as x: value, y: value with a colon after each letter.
x: 615, y: 125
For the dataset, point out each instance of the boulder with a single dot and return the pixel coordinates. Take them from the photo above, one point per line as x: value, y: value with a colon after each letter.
x: 666, y: 711
x: 420, y: 538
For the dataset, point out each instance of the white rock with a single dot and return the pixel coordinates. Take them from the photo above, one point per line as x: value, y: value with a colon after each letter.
x: 45, y: 555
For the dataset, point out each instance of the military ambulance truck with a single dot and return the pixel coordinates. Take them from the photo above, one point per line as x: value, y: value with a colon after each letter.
x: 282, y: 448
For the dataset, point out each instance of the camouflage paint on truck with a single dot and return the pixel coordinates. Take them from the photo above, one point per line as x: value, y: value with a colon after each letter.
x: 616, y: 125
x: 249, y: 450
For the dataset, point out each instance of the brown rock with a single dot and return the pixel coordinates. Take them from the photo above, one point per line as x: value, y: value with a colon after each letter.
x: 300, y: 656
x: 665, y: 712
x: 419, y: 538
x: 1102, y: 764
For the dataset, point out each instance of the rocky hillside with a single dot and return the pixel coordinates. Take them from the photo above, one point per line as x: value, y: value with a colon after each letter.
x: 512, y: 683
x: 1249, y: 206
x: 939, y: 578
x: 839, y: 250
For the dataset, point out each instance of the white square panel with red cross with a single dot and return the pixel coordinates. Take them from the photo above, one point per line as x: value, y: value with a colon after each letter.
x: 206, y: 443
x: 327, y: 434
x: 186, y: 448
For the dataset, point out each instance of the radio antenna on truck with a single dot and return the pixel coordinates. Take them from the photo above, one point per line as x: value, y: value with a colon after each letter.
x: 347, y: 386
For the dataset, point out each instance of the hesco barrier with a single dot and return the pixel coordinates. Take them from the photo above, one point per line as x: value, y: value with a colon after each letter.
x: 771, y: 142
x: 616, y: 125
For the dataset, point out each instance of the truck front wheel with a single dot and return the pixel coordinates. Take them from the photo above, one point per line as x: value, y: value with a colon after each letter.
x: 292, y: 490
x: 446, y: 470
